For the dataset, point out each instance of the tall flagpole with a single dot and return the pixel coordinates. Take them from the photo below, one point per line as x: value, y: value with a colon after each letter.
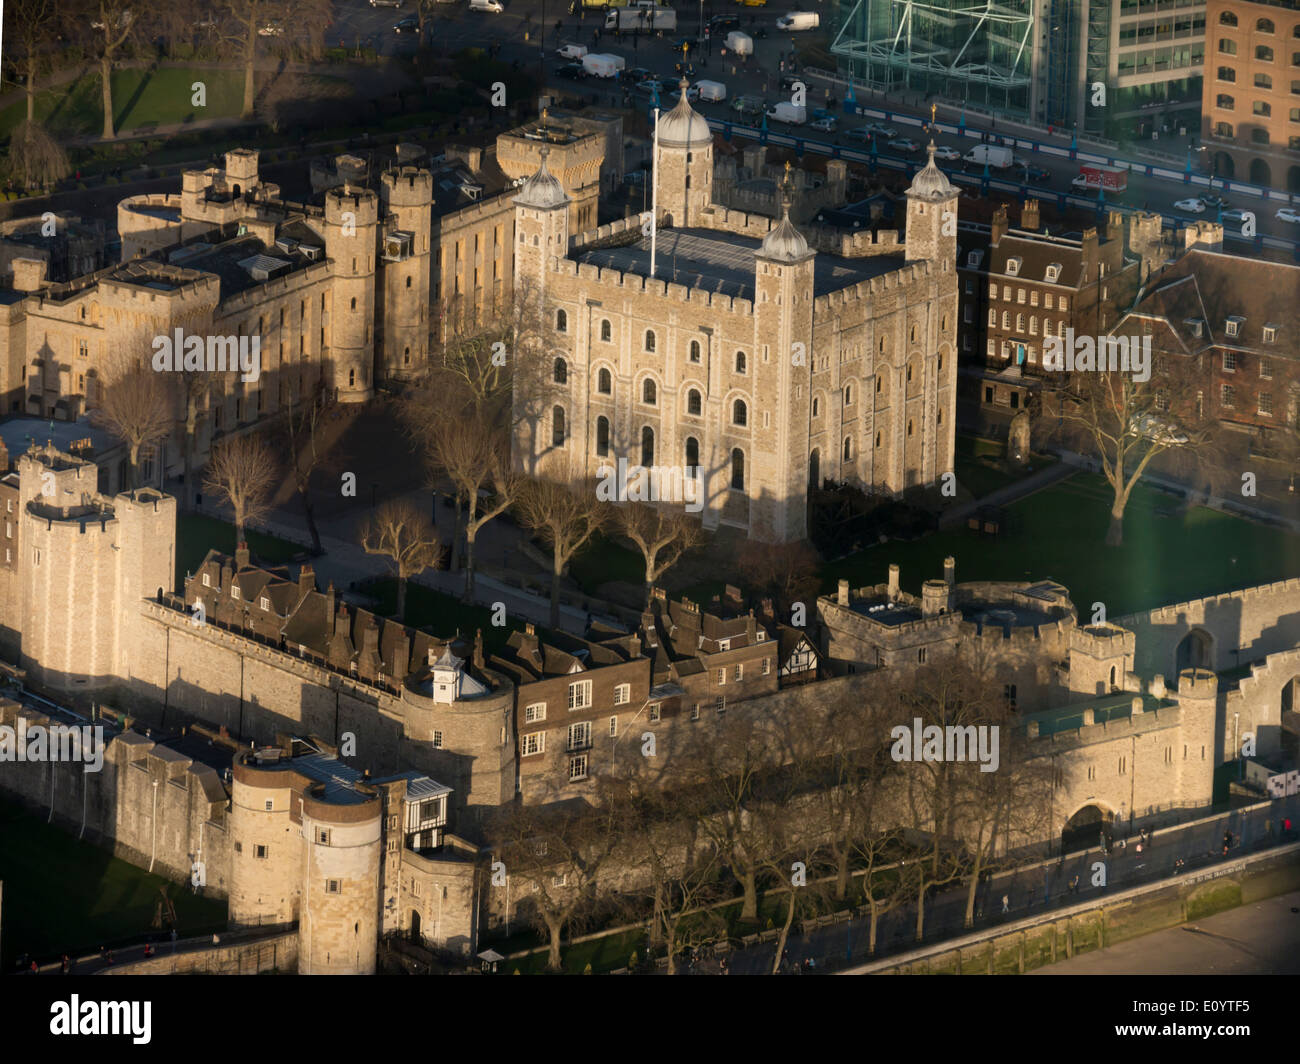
x: 654, y: 194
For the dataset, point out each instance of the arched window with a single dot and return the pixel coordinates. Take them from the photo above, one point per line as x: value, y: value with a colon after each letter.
x: 647, y: 446
x: 606, y: 331
x: 604, y: 382
x: 909, y: 372
x: 693, y: 455
x: 695, y: 350
x: 650, y: 340
x: 913, y: 336
x: 602, y: 436
x: 739, y: 413
x: 1264, y: 25
x: 557, y: 426
x: 816, y: 406
x: 909, y: 428
x: 848, y: 394
x: 352, y: 378
x: 740, y: 361
x: 1263, y: 53
x: 1263, y: 81
x: 1227, y: 18
x: 648, y: 394
x: 737, y: 470
x: 1112, y: 676
x: 1263, y: 109
x: 848, y: 448
x: 354, y: 302
x: 877, y: 439
x: 693, y: 403
x: 1224, y: 102
x: 561, y: 371
x: 561, y: 321
x: 408, y: 282
x: 880, y: 382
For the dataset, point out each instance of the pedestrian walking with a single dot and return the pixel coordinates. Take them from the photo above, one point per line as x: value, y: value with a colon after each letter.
x: 35, y: 969
x: 1006, y: 903
x: 1074, y: 884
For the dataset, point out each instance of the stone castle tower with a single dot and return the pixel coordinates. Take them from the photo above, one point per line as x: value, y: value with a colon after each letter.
x: 406, y: 194
x: 683, y: 165
x: 931, y: 215
x: 351, y: 239
x: 89, y: 561
x: 783, y: 309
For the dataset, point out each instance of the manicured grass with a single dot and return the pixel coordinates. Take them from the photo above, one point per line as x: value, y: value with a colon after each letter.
x: 1059, y: 533
x: 981, y: 469
x: 603, y: 560
x: 140, y: 97
x: 197, y: 534
x: 444, y: 615
x: 64, y: 895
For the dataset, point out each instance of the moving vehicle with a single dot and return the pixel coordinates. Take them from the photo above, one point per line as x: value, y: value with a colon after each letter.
x: 1233, y: 217
x: 799, y: 20
x: 751, y: 106
x: 572, y: 71
x: 788, y: 113
x: 492, y: 7
x: 1035, y: 174
x: 407, y: 25
x: 572, y: 51
x: 946, y: 154
x: 1110, y: 178
x: 907, y: 147
x: 862, y: 133
x: 1213, y: 199
x: 645, y: 19
x: 711, y: 91
x: 880, y: 129
x: 824, y: 125
x: 692, y: 93
x: 740, y: 43
x: 649, y: 86
x: 602, y: 64
x: 722, y: 23
x: 385, y: 3
x: 637, y: 74
x: 1288, y: 214
x: 989, y: 155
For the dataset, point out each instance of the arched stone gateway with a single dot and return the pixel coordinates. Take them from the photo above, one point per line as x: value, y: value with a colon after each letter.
x: 415, y: 927
x: 1084, y: 830
x: 1195, y: 651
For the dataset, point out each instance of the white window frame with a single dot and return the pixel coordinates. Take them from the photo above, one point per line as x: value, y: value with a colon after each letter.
x: 622, y: 694
x: 532, y: 744
x: 579, y: 695
x: 656, y: 712
x: 577, y: 768
x: 534, y: 712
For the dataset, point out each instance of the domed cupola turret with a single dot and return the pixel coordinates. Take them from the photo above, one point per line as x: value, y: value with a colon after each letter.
x: 683, y: 127
x: 784, y: 243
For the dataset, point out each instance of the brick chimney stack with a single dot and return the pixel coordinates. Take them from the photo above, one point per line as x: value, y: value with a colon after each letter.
x: 1029, y: 215
x: 306, y: 580
x: 1000, y: 224
x: 242, y: 556
x: 479, y: 661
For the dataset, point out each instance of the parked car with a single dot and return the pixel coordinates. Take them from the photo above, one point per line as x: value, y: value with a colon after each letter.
x: 1288, y: 214
x: 385, y: 3
x: 907, y: 147
x: 407, y: 25
x: 823, y: 125
x: 1195, y: 206
x: 946, y: 154
x: 572, y: 71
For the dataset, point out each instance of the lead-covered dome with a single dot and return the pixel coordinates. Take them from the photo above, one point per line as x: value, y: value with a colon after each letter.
x: 931, y: 182
x: 683, y: 127
x: 543, y: 190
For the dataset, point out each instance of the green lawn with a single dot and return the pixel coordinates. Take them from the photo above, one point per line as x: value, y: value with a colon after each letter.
x: 64, y: 895
x: 980, y: 466
x: 1059, y: 533
x: 603, y: 560
x: 196, y: 535
x: 140, y: 97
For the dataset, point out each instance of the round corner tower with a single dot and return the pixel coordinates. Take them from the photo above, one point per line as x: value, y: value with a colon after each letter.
x: 265, y: 857
x: 341, y: 846
x: 351, y: 240
x: 683, y: 164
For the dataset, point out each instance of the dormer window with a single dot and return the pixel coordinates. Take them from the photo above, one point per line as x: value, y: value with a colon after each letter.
x: 265, y: 603
x: 207, y: 580
x: 975, y: 259
x: 1194, y: 326
x: 1234, y: 324
x: 234, y: 591
x: 1013, y: 266
x: 1270, y: 334
x: 1053, y: 272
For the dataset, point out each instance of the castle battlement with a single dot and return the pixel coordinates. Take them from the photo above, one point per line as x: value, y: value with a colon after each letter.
x: 286, y: 284
x: 1169, y: 614
x: 636, y: 284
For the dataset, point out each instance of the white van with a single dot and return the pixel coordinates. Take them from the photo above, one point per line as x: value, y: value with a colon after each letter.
x: 799, y: 20
x: 711, y: 91
x: 495, y: 7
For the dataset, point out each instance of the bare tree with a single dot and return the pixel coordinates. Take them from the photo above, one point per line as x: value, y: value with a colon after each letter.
x: 133, y: 405
x: 243, y: 19
x: 113, y: 23
x: 565, y: 518
x: 242, y: 471
x: 661, y: 534
x: 30, y: 30
x: 555, y: 855
x: 35, y: 158
x: 402, y: 533
x: 787, y: 570
x: 1125, y: 423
